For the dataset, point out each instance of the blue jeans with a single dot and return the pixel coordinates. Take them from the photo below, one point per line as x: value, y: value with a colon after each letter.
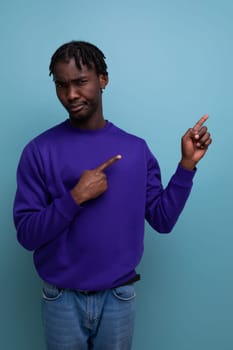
x: 74, y: 320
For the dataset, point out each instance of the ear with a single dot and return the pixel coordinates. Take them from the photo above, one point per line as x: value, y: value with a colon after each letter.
x: 103, y: 80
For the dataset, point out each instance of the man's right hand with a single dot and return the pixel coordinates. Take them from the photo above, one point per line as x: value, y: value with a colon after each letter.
x: 93, y: 182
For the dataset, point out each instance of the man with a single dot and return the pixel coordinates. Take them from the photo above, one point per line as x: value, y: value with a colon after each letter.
x: 84, y: 189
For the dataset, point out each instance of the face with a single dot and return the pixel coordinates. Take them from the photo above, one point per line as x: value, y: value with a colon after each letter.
x: 79, y: 91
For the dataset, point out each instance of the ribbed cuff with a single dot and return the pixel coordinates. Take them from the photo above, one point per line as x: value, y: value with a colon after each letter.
x: 184, y: 177
x: 67, y: 206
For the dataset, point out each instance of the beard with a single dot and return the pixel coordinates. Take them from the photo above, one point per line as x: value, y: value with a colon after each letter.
x: 83, y: 117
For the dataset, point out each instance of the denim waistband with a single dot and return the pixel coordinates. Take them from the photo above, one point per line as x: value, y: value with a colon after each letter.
x: 91, y: 292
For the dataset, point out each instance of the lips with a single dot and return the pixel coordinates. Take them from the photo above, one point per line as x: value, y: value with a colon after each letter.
x: 76, y: 107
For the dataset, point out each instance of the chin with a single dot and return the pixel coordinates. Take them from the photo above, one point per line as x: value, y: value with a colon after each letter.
x: 80, y: 118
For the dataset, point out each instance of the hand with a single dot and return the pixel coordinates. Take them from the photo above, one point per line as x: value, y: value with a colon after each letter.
x: 92, y: 182
x: 195, y: 143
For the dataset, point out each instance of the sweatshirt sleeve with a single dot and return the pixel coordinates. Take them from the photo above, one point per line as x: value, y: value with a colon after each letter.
x: 38, y: 218
x: 164, y: 205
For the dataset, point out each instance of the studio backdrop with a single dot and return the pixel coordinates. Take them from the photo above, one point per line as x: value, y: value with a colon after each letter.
x: 169, y: 63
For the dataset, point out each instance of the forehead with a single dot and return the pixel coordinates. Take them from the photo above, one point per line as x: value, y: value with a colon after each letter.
x: 68, y: 70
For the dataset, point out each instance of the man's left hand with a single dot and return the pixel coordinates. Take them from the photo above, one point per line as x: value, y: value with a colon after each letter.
x: 195, y: 143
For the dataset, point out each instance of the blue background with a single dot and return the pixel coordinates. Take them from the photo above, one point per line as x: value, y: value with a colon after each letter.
x: 169, y: 63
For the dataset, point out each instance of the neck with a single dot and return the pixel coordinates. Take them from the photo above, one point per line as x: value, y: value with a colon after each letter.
x: 88, y: 124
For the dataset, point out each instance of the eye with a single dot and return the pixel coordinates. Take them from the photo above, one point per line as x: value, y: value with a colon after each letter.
x: 82, y: 81
x: 59, y: 85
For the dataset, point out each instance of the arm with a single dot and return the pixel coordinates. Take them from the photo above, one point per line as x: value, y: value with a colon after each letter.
x: 165, y: 205
x: 38, y: 217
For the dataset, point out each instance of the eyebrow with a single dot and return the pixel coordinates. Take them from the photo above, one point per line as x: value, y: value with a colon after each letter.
x: 59, y: 80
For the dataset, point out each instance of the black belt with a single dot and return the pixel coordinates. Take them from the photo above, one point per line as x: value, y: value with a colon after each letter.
x: 89, y: 292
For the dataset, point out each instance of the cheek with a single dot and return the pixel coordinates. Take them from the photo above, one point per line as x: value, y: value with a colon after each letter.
x: 95, y: 94
x: 60, y: 96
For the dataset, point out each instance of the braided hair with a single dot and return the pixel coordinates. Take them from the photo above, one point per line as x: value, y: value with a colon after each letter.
x: 84, y: 53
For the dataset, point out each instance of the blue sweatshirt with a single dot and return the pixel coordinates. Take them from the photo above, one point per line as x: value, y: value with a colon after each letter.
x: 99, y: 244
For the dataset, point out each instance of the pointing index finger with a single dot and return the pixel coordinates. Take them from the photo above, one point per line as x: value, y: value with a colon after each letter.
x: 108, y: 163
x: 200, y: 122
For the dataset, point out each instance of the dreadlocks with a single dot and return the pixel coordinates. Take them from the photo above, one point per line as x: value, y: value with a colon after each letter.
x: 83, y: 53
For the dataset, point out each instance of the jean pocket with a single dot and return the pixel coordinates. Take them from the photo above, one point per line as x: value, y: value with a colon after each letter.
x: 50, y: 292
x: 125, y: 293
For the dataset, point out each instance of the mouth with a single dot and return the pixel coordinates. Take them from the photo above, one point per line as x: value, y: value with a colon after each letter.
x: 75, y: 108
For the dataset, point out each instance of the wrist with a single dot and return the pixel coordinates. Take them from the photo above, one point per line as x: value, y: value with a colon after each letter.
x: 77, y: 196
x: 188, y: 164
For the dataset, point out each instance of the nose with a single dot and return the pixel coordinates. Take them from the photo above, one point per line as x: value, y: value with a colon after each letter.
x: 72, y: 93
